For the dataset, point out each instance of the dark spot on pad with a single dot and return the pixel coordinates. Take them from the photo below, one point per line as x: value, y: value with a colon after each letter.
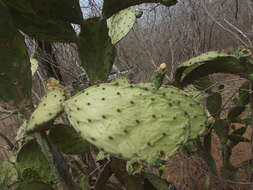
x: 125, y: 131
x: 164, y: 134
x: 89, y: 120
x: 44, y: 104
x: 132, y: 102
x: 118, y: 110
x: 137, y: 121
x: 50, y: 114
x: 148, y: 143
x: 110, y: 137
x: 78, y: 109
x: 103, y: 99
x: 87, y: 93
x: 154, y: 116
x: 118, y: 93
x: 174, y: 118
x: 103, y: 88
x: 103, y: 116
x: 88, y: 103
x: 152, y: 99
x: 93, y: 139
x: 116, y: 83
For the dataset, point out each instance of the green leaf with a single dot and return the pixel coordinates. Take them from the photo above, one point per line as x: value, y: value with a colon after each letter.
x: 30, y: 156
x: 68, y: 140
x: 209, y: 63
x: 96, y: 51
x: 214, y: 103
x: 111, y: 7
x: 15, y: 73
x: 120, y: 24
x: 221, y: 128
x: 234, y: 113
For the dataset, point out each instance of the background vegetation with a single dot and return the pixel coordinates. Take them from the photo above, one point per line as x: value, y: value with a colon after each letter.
x: 162, y: 35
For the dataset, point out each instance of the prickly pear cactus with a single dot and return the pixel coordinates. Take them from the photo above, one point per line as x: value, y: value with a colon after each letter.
x: 120, y: 24
x: 212, y: 62
x: 135, y: 122
x: 32, y: 164
x: 48, y: 108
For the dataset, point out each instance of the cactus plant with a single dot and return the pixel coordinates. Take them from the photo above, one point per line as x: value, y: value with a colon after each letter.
x: 96, y: 51
x: 120, y: 24
x: 31, y: 162
x: 15, y: 73
x: 48, y: 108
x: 74, y: 145
x: 46, y: 20
x: 134, y: 121
x: 111, y: 7
x: 209, y: 63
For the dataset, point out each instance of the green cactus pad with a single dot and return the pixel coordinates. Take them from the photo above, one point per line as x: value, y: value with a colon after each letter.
x: 15, y: 74
x: 32, y: 162
x: 209, y: 63
x: 46, y: 20
x: 111, y: 7
x: 74, y: 143
x: 48, y: 109
x: 120, y: 24
x: 134, y: 122
x: 96, y: 51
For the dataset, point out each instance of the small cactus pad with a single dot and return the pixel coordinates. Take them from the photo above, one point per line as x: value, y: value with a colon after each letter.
x: 74, y: 143
x: 111, y: 7
x: 31, y: 161
x: 209, y: 63
x: 96, y: 51
x: 134, y: 122
x: 15, y: 74
x: 48, y: 108
x: 120, y: 24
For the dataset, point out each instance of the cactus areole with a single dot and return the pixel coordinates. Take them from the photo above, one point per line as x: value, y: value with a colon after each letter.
x: 134, y: 121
